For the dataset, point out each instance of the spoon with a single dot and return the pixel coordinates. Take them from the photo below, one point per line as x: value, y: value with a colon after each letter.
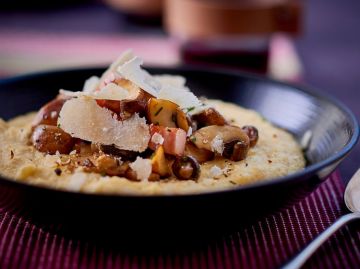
x: 352, y: 201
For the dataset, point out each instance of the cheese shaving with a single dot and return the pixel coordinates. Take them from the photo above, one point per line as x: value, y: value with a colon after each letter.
x: 123, y: 58
x: 166, y: 87
x: 142, y: 168
x: 110, y: 92
x: 215, y: 171
x: 189, y: 132
x: 181, y: 96
x: 176, y: 81
x: 84, y: 119
x: 157, y: 139
x: 91, y: 84
x: 131, y: 70
x: 217, y: 144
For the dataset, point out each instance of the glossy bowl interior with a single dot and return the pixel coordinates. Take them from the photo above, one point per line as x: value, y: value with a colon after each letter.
x: 334, y: 132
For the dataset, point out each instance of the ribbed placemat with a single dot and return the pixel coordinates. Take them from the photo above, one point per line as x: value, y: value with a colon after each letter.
x: 264, y: 244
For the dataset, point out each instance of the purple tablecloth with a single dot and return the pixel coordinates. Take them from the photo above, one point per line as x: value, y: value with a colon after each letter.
x: 267, y: 243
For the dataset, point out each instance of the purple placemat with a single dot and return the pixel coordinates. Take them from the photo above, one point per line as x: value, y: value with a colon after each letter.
x: 264, y: 244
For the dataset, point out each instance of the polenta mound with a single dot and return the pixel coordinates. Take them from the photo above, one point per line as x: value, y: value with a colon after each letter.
x: 275, y: 154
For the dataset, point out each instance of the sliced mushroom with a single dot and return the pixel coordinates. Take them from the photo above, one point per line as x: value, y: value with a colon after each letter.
x: 126, y: 155
x: 204, y: 138
x: 182, y: 120
x: 166, y: 113
x: 131, y: 175
x: 159, y: 163
x: 201, y: 155
x: 137, y: 105
x: 49, y: 113
x: 235, y: 150
x: 113, y: 105
x: 111, y: 166
x: 126, y: 108
x: 162, y: 112
x: 209, y: 116
x: 50, y: 139
x: 84, y: 148
x: 154, y: 177
x: 186, y: 167
x: 253, y: 134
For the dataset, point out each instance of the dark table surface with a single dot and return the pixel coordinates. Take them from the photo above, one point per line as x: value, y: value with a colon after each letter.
x: 329, y: 47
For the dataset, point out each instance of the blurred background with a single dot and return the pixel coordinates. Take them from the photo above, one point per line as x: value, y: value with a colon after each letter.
x: 315, y: 42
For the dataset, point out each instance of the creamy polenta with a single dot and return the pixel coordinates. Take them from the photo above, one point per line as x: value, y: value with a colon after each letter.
x: 276, y: 154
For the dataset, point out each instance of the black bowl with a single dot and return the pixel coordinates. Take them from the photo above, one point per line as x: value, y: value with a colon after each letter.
x: 334, y: 128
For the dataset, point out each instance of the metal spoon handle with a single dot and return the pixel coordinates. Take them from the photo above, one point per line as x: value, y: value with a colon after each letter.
x: 306, y: 253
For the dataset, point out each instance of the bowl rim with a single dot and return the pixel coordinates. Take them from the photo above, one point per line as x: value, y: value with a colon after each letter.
x: 307, y: 171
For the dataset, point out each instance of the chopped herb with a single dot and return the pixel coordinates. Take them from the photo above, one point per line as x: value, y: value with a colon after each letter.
x: 103, y: 174
x: 11, y: 154
x: 232, y: 120
x: 193, y: 139
x: 158, y: 111
x: 246, y: 164
x: 58, y: 171
x: 190, y: 108
x: 59, y: 125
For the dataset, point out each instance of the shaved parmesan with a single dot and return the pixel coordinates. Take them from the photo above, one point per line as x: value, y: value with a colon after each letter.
x: 215, y: 171
x: 157, y: 139
x: 123, y: 58
x: 176, y: 81
x: 189, y: 132
x: 108, y: 76
x: 91, y: 84
x: 84, y: 119
x: 110, y: 92
x: 132, y: 71
x: 217, y: 144
x: 180, y: 96
x: 173, y: 89
x: 142, y: 168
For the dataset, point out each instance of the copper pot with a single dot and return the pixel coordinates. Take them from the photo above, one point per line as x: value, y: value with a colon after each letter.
x: 204, y: 18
